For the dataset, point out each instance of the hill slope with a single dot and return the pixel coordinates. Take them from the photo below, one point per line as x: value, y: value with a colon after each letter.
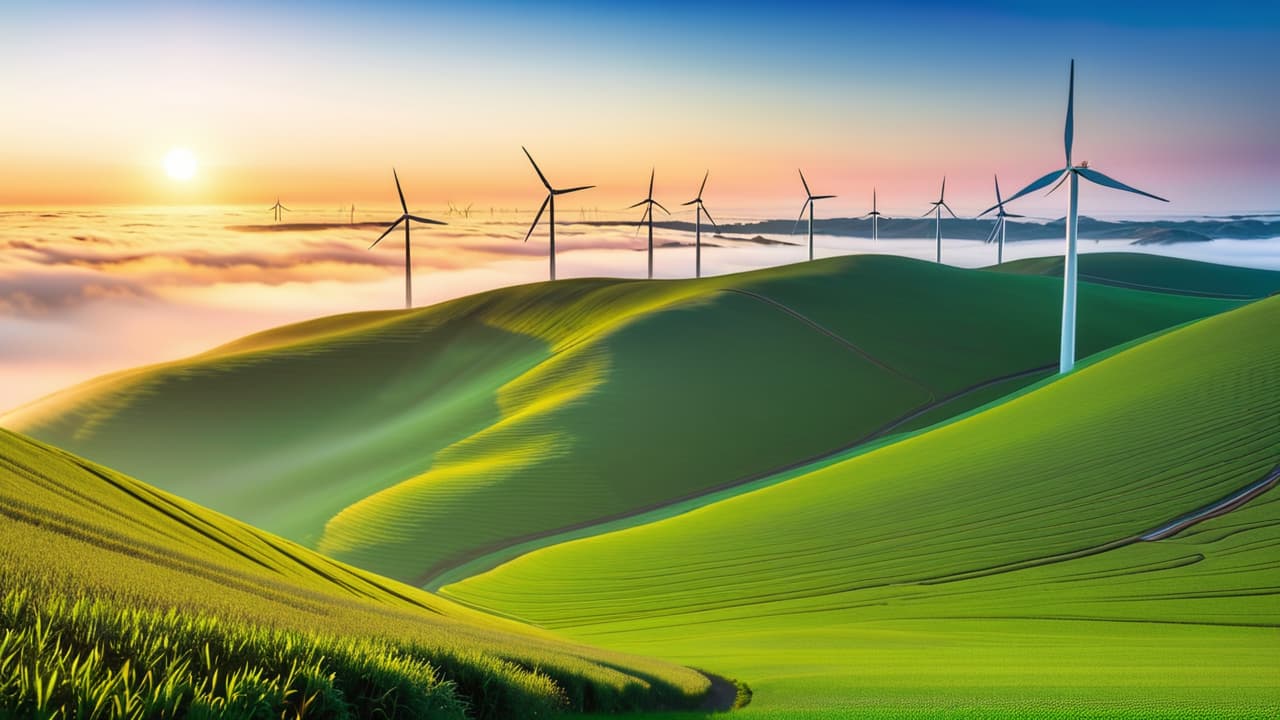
x: 1009, y: 561
x: 120, y: 573
x: 409, y: 442
x: 1158, y: 273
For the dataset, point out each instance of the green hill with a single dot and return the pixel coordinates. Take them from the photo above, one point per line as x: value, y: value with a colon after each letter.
x: 119, y: 600
x: 411, y: 442
x: 1158, y: 273
x: 1009, y: 564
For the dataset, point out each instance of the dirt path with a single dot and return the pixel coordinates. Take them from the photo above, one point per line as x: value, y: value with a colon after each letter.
x: 723, y: 695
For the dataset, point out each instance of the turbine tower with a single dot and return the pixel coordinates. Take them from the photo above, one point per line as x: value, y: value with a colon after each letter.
x: 1072, y: 172
x: 649, y: 203
x: 697, y: 225
x: 808, y: 203
x: 405, y: 218
x: 998, y: 232
x: 937, y: 212
x: 875, y: 218
x: 551, y: 200
x: 277, y: 209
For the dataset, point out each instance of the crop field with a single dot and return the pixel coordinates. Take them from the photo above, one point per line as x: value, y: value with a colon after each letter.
x: 993, y: 566
x: 410, y: 443
x: 119, y: 600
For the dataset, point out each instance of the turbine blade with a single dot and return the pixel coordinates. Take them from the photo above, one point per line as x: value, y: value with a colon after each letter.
x: 651, y: 173
x: 536, y: 169
x: 703, y: 186
x: 425, y: 221
x: 1054, y: 189
x: 803, y: 207
x: 953, y: 212
x: 998, y: 200
x: 403, y: 206
x: 1097, y: 177
x: 1009, y: 215
x: 1068, y: 134
x: 929, y: 212
x: 387, y: 232
x: 1031, y: 188
x: 537, y: 217
x: 691, y: 202
x: 285, y: 209
x: 571, y: 190
x: 943, y: 195
x: 713, y: 220
x: 806, y: 184
x: 991, y: 237
x: 642, y: 202
x: 655, y: 202
x: 822, y: 197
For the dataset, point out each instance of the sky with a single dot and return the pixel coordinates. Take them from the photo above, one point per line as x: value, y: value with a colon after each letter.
x: 316, y: 102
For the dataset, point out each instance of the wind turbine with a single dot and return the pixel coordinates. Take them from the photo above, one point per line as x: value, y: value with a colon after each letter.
x: 875, y: 217
x: 278, y: 208
x: 405, y: 218
x: 353, y: 214
x: 997, y: 232
x: 1073, y: 172
x: 551, y: 200
x: 697, y: 225
x: 937, y: 211
x: 808, y: 203
x: 649, y: 202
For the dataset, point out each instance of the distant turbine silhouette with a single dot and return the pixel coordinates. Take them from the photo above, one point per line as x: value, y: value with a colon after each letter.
x: 353, y: 213
x: 278, y: 208
x: 875, y: 218
x: 998, y: 232
x: 1072, y: 172
x: 697, y: 225
x: 551, y: 201
x: 405, y: 218
x: 649, y: 202
x: 937, y: 211
x: 808, y: 203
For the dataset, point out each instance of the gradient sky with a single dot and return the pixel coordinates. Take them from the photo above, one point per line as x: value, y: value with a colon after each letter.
x: 317, y: 101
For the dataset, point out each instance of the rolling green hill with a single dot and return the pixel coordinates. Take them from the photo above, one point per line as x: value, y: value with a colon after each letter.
x: 1012, y: 563
x: 411, y: 442
x: 119, y: 600
x: 1158, y: 273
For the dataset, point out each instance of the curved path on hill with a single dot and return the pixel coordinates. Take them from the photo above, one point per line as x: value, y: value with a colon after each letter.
x: 435, y: 577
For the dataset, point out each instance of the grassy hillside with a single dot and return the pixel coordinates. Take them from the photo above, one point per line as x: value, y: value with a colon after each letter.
x: 119, y: 600
x: 994, y: 566
x: 1158, y: 273
x: 410, y: 442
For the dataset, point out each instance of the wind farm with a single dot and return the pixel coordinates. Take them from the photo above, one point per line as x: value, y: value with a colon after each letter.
x: 788, y: 479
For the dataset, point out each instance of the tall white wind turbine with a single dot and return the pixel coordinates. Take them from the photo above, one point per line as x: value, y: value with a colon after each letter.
x: 937, y: 211
x: 808, y: 203
x: 649, y: 204
x: 697, y: 225
x: 998, y: 231
x: 405, y: 218
x: 550, y: 201
x: 1072, y: 172
x: 875, y: 218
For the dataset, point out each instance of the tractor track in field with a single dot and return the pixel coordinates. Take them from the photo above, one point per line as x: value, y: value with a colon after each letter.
x: 431, y: 578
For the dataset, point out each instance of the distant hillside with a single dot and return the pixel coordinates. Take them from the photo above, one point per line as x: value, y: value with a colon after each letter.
x: 1157, y: 273
x: 410, y: 443
x: 1142, y: 232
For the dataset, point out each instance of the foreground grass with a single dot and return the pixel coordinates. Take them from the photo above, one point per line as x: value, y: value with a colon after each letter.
x: 985, y: 568
x: 412, y: 442
x: 119, y: 599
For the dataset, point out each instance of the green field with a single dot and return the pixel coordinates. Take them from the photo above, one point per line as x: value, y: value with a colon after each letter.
x: 1157, y: 273
x: 990, y: 567
x: 409, y: 443
x: 119, y: 600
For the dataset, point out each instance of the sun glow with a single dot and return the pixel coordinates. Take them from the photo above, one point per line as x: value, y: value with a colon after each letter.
x: 180, y: 164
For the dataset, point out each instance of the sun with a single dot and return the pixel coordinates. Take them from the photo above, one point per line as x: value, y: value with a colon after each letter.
x: 180, y: 164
